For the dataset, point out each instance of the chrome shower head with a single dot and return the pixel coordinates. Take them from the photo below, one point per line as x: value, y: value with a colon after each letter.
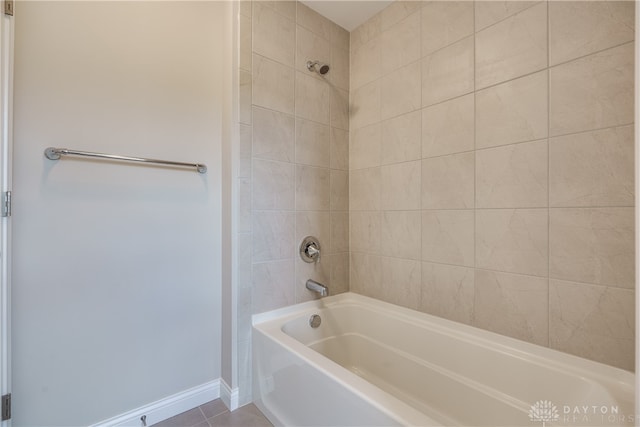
x: 318, y: 67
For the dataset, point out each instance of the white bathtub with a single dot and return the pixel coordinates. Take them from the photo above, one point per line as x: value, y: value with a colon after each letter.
x: 371, y: 363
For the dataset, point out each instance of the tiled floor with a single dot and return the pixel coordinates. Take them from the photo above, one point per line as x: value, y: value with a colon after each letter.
x: 215, y: 414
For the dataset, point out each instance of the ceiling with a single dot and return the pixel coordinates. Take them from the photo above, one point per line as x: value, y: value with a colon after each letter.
x: 349, y: 14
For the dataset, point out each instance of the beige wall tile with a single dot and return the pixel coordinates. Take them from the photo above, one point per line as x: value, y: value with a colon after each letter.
x: 365, y: 147
x: 397, y: 11
x: 400, y: 282
x: 244, y: 313
x: 246, y: 135
x: 448, y: 182
x: 312, y: 20
x: 273, y: 185
x: 339, y: 232
x: 400, y: 44
x: 312, y: 188
x: 513, y: 47
x: 318, y: 271
x: 592, y: 168
x: 513, y: 240
x: 273, y: 85
x: 273, y: 285
x: 244, y: 205
x: 244, y: 260
x: 312, y: 143
x: 592, y: 92
x: 514, y: 176
x: 400, y: 186
x: 490, y: 12
x: 364, y: 229
x: 286, y: 8
x: 365, y: 273
x: 399, y: 92
x: 273, y: 135
x: 448, y: 72
x: 311, y: 47
x: 514, y: 111
x: 339, y: 108
x: 366, y: 63
x: 339, y: 73
x: 312, y: 98
x: 445, y: 22
x: 364, y: 189
x: 244, y: 97
x: 245, y: 370
x: 339, y: 37
x: 274, y: 36
x: 365, y: 105
x: 245, y: 8
x: 339, y: 199
x: 366, y: 31
x: 578, y: 28
x: 339, y: 149
x: 401, y: 138
x: 512, y: 305
x: 244, y: 59
x: 313, y: 224
x: 317, y: 224
x: 400, y: 234
x: 595, y: 322
x: 273, y: 235
x: 448, y: 237
x: 339, y: 273
x: 448, y: 127
x: 448, y: 291
x: 592, y: 245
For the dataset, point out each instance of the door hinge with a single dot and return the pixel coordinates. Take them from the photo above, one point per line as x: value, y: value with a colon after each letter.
x: 6, y: 407
x: 8, y: 7
x: 6, y: 204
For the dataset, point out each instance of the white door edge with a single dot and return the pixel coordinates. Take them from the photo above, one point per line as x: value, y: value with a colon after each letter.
x: 6, y: 152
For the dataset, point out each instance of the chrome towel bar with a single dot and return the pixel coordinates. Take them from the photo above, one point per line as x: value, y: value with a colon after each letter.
x: 55, y: 154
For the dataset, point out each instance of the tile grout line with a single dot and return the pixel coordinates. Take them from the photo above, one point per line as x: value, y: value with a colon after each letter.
x: 510, y: 16
x: 252, y: 189
x: 496, y: 271
x: 475, y: 31
x: 295, y: 158
x: 548, y: 32
x: 249, y: 267
x: 422, y: 278
x: 378, y: 82
x: 472, y: 319
x: 596, y: 52
x: 549, y: 66
x: 331, y: 183
x: 203, y: 416
x: 495, y: 147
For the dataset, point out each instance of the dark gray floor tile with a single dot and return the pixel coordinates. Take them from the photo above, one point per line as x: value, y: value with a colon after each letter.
x: 213, y: 408
x: 186, y: 419
x: 247, y: 416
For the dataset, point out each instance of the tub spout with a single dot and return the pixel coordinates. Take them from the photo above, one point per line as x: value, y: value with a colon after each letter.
x: 314, y: 286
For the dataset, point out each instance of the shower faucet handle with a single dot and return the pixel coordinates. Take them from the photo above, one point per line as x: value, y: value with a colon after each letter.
x: 310, y: 249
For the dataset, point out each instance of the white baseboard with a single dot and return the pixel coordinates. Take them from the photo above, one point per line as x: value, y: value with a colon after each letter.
x: 229, y: 396
x: 165, y: 408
